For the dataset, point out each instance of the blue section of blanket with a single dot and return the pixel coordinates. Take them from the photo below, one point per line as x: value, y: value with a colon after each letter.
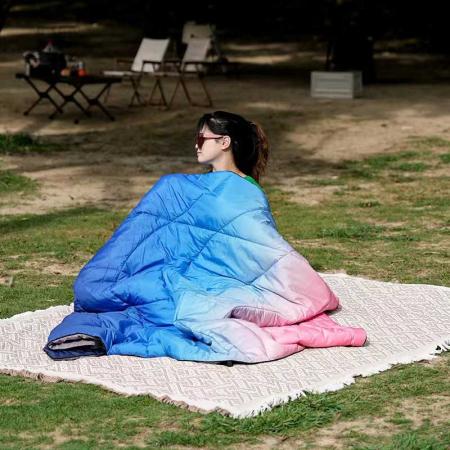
x: 168, y: 279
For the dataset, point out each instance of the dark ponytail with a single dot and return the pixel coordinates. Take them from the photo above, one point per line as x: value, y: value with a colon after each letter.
x: 261, y: 144
x: 248, y: 141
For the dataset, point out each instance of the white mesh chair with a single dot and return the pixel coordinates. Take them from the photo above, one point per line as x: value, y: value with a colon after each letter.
x: 196, y: 55
x: 192, y: 30
x: 148, y: 60
x: 216, y: 58
x: 192, y: 65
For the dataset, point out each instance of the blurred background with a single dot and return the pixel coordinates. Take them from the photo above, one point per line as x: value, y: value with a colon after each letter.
x: 355, y: 34
x: 402, y: 49
x: 358, y: 181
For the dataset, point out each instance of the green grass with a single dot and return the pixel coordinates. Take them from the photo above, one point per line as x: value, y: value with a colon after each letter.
x: 326, y: 181
x: 418, y: 159
x: 12, y: 182
x: 32, y: 410
x: 392, y: 231
x: 62, y: 234
x: 411, y: 167
x: 23, y: 143
x: 358, y: 224
x: 69, y: 236
x: 429, y: 142
x: 20, y: 144
x: 47, y: 290
x: 351, y: 230
x: 422, y: 438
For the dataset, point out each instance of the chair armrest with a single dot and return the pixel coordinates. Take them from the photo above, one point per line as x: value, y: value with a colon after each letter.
x: 211, y: 63
x: 199, y: 65
x: 203, y: 63
x: 120, y: 61
x: 156, y: 64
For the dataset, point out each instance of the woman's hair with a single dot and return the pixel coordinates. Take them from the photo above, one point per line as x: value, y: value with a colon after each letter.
x: 249, y: 143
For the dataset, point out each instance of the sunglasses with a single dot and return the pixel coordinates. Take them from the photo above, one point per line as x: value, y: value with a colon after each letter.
x: 200, y: 139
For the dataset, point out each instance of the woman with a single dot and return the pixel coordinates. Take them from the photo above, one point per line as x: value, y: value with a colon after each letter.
x: 198, y: 270
x: 227, y: 141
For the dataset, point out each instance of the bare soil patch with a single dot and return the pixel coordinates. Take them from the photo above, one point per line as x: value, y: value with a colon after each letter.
x: 114, y: 163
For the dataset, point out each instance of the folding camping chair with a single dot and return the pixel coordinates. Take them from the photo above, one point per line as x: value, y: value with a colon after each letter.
x: 148, y: 60
x: 192, y: 65
x: 193, y: 30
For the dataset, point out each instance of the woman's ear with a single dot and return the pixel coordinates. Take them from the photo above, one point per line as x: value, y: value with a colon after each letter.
x: 226, y: 142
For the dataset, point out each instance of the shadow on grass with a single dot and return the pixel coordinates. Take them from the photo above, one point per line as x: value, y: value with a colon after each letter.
x: 31, y: 221
x: 11, y: 182
x: 25, y: 144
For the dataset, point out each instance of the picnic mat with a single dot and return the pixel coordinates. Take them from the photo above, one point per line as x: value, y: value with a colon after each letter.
x: 404, y: 323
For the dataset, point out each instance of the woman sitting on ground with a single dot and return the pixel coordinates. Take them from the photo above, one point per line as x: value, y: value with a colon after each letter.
x: 198, y: 270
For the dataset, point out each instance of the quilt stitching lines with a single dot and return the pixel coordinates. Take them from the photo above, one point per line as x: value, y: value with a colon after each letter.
x: 218, y: 231
x: 214, y: 231
x: 153, y: 231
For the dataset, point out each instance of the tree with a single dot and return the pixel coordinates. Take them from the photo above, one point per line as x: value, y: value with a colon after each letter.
x: 5, y: 5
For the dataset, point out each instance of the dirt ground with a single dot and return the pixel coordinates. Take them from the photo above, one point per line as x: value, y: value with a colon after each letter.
x: 114, y: 163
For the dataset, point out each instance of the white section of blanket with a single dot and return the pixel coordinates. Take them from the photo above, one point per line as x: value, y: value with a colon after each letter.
x: 404, y: 323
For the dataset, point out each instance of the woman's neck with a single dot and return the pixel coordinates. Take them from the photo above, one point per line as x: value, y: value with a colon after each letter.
x: 227, y: 166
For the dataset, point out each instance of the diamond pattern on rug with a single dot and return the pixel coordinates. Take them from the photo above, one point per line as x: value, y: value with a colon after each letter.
x: 404, y: 323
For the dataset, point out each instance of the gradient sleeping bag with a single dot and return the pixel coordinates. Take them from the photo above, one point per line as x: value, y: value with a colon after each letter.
x: 198, y: 271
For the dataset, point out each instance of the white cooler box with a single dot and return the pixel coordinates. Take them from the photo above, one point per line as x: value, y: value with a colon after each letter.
x: 336, y: 84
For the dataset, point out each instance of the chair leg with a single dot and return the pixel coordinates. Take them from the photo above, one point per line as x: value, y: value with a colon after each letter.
x: 150, y: 98
x: 210, y: 102
x: 182, y: 81
x: 135, y: 83
x: 186, y: 91
x: 163, y: 100
x: 174, y: 93
x: 163, y: 96
x: 107, y: 92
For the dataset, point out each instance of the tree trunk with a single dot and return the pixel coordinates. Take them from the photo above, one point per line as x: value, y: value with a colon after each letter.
x: 5, y: 5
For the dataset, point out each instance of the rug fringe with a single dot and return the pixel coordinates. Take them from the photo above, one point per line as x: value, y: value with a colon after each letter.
x: 425, y: 353
x: 203, y: 407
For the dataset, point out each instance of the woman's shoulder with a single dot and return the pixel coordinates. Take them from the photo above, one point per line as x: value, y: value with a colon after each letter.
x: 252, y: 180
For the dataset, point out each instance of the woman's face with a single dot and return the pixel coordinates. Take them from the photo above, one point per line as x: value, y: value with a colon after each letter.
x: 213, y: 146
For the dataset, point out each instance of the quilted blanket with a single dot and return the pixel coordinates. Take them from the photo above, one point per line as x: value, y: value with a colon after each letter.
x: 198, y: 271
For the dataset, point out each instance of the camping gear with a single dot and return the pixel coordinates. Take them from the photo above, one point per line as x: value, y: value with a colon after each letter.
x: 198, y: 271
x: 47, y: 62
x: 148, y: 59
x: 336, y: 84
x: 77, y: 96
x: 192, y: 65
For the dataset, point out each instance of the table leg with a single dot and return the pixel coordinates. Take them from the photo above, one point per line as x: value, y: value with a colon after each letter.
x: 42, y: 95
x: 94, y: 101
x: 70, y: 98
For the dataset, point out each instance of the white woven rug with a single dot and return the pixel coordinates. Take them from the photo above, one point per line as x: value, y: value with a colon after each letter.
x: 404, y: 322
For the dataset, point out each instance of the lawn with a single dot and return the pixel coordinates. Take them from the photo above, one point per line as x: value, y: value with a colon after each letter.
x: 387, y: 217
